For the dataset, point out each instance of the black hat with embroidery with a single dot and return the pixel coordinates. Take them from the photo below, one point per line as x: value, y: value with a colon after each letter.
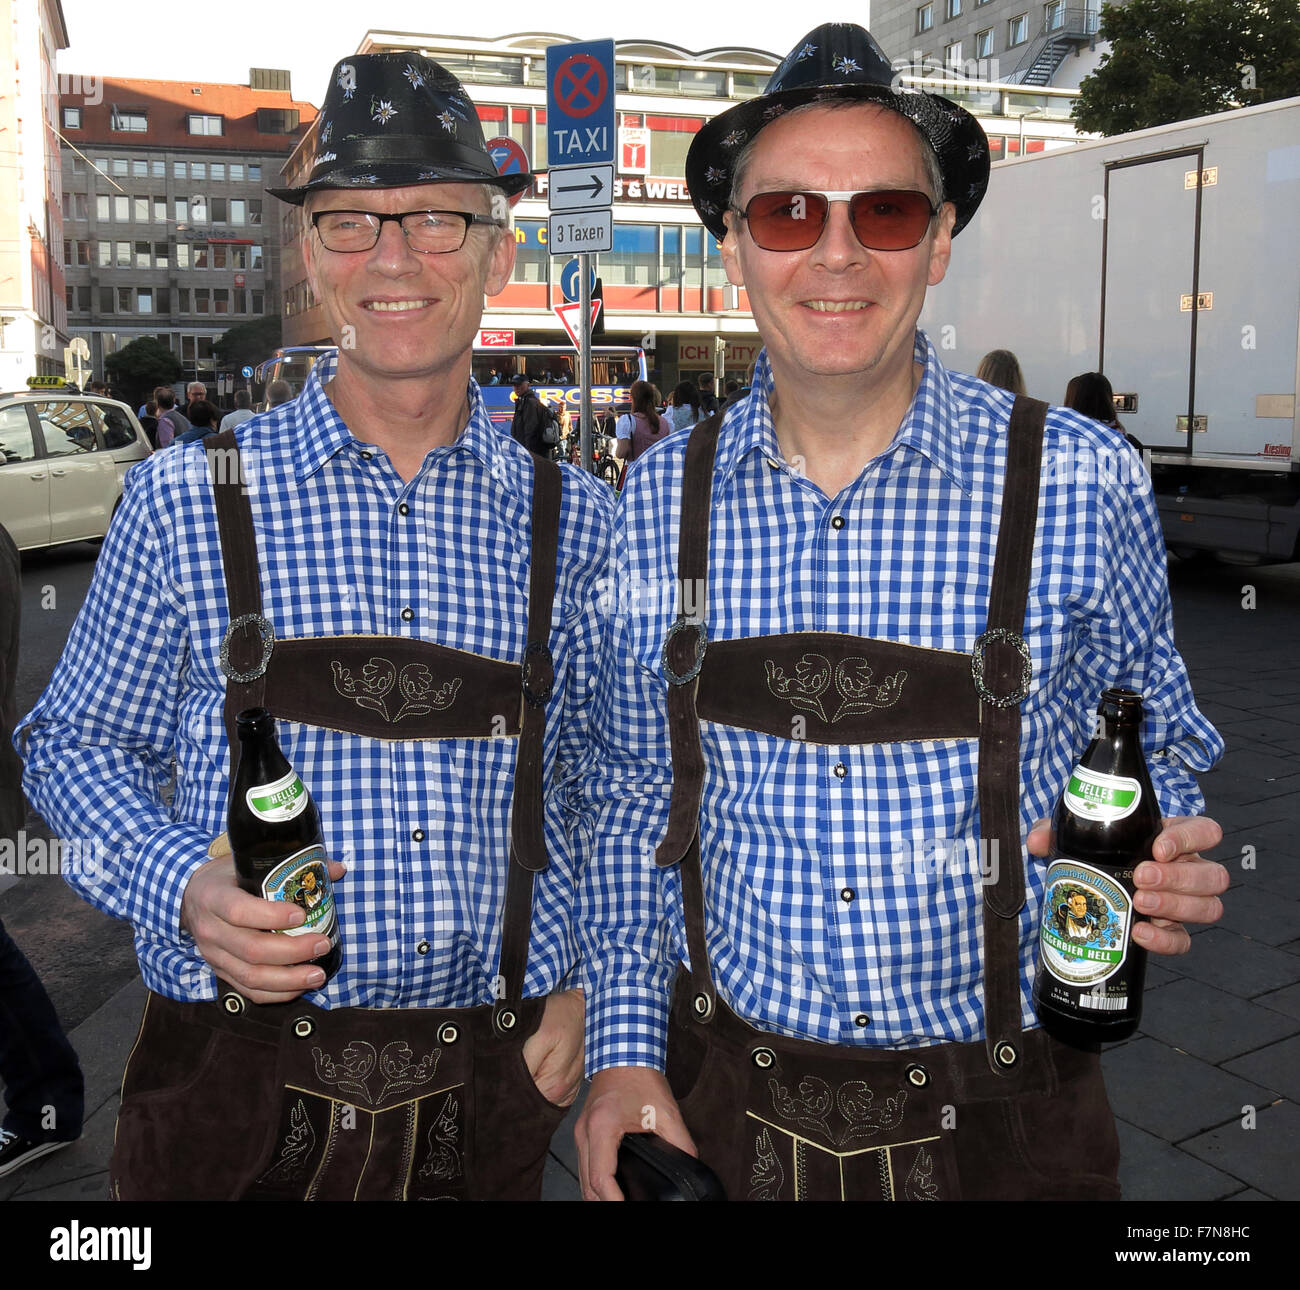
x: 838, y: 61
x: 395, y: 120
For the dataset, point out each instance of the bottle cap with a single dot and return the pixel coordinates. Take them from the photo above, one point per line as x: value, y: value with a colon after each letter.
x: 1121, y: 705
x: 254, y: 721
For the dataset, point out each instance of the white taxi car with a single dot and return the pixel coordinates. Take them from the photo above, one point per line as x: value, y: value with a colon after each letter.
x: 63, y: 456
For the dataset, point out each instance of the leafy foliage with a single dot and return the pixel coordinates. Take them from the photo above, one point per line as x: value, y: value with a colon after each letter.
x: 1175, y: 59
x: 249, y: 342
x: 139, y: 368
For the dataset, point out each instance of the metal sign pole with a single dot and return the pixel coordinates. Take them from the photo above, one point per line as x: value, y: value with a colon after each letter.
x: 584, y: 357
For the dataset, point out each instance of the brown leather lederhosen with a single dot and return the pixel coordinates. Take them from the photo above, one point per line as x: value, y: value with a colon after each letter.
x: 231, y: 1100
x: 1018, y: 1116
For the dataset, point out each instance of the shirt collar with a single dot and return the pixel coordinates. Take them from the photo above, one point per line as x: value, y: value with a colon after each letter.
x: 932, y: 426
x: 321, y: 433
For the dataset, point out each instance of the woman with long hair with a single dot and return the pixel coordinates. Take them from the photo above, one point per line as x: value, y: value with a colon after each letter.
x: 1000, y: 367
x: 685, y: 404
x: 643, y: 426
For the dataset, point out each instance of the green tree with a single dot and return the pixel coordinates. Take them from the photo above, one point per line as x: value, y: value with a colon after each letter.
x: 1175, y: 59
x: 248, y: 342
x: 139, y: 368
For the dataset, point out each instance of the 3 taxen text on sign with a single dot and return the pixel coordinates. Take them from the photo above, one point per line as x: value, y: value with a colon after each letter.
x: 581, y: 231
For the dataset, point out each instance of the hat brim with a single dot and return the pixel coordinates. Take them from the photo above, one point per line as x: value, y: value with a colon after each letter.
x: 956, y: 136
x: 399, y: 175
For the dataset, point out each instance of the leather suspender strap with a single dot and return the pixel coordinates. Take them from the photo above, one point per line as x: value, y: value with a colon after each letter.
x: 1001, y: 667
x: 245, y: 648
x: 527, y: 810
x: 686, y: 642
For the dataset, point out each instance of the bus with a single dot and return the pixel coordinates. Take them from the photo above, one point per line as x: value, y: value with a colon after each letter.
x: 552, y: 371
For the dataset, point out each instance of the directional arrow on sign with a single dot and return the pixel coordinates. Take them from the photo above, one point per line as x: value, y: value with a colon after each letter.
x: 573, y: 188
x: 571, y: 314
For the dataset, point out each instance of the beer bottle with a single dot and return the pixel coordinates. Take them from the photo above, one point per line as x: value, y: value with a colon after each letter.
x: 1088, y: 988
x: 275, y: 834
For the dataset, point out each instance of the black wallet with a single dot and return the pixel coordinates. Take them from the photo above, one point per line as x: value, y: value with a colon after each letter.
x: 651, y: 1169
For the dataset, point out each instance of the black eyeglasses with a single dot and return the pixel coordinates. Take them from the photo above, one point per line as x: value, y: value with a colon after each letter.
x: 885, y: 220
x: 429, y: 232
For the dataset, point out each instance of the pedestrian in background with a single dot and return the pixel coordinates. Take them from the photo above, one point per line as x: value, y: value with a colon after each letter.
x: 203, y: 421
x: 708, y: 400
x: 643, y: 427
x: 43, y: 1086
x: 1001, y: 367
x: 243, y: 411
x: 278, y: 392
x: 149, y: 420
x: 684, y: 405
x: 172, y: 422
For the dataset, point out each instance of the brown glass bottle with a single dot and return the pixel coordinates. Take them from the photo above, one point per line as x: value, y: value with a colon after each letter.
x: 1088, y: 988
x: 275, y: 834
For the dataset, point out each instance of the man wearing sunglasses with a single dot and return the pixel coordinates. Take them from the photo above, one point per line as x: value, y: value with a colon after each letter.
x: 414, y: 598
x: 808, y: 897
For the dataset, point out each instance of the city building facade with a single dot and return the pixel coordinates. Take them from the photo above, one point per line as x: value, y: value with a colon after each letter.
x: 33, y: 323
x: 167, y: 228
x: 663, y: 284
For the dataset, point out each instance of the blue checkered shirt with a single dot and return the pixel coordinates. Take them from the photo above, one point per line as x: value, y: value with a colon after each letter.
x: 783, y: 835
x: 139, y: 687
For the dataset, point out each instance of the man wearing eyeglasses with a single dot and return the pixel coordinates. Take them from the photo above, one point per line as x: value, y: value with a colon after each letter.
x: 415, y: 598
x: 807, y: 897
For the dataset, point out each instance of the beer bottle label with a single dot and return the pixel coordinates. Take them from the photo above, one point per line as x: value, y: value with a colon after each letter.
x: 279, y: 801
x: 1084, y: 929
x: 304, y: 879
x: 1102, y: 799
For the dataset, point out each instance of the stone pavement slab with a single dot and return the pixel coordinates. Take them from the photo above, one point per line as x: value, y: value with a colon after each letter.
x: 1264, y: 1157
x: 1211, y: 1024
x: 1276, y: 1067
x: 1259, y: 913
x: 1287, y: 1000
x: 1171, y: 1094
x: 1237, y: 964
x: 1152, y: 1169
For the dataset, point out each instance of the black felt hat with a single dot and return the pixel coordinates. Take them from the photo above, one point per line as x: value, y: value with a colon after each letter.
x: 395, y: 120
x: 838, y: 61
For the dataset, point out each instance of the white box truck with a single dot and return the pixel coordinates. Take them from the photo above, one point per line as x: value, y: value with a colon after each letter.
x: 1168, y: 259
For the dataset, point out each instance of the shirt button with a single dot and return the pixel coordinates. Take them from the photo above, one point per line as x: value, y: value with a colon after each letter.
x: 848, y: 895
x: 840, y: 770
x: 403, y: 509
x: 422, y: 947
x: 862, y: 1019
x: 418, y: 835
x: 408, y: 614
x: 365, y: 456
x: 837, y: 521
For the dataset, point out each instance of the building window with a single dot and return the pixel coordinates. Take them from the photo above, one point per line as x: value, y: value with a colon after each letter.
x: 144, y: 255
x: 178, y: 170
x: 255, y: 257
x: 119, y: 167
x: 83, y: 299
x: 141, y: 205
x: 139, y: 168
x: 129, y: 122
x: 121, y: 209
x: 254, y: 210
x: 207, y: 125
x: 102, y: 208
x: 182, y: 255
x: 925, y: 17
x: 123, y: 255
x: 201, y: 260
x: 218, y: 210
x: 219, y: 170
x: 634, y: 261
x: 202, y: 300
x: 181, y: 207
x: 219, y: 250
x: 198, y: 169
x: 254, y: 172
x: 1018, y: 29
x: 144, y: 300
x: 106, y: 300
x: 221, y: 300
x: 238, y: 210
x: 1054, y: 15
x: 236, y: 172
x: 239, y: 257
x: 164, y: 300
x: 160, y: 255
x: 103, y: 254
x: 198, y: 210
x: 954, y: 8
x: 158, y: 168
x: 160, y: 210
x: 258, y: 302
x: 182, y: 300
x: 984, y: 43
x: 71, y: 118
x: 124, y: 301
x: 952, y: 54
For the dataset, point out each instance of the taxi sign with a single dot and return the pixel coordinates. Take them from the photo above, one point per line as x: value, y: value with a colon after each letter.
x: 47, y: 383
x: 580, y: 103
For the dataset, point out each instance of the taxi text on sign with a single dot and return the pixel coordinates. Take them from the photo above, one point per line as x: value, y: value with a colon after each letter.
x: 580, y: 103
